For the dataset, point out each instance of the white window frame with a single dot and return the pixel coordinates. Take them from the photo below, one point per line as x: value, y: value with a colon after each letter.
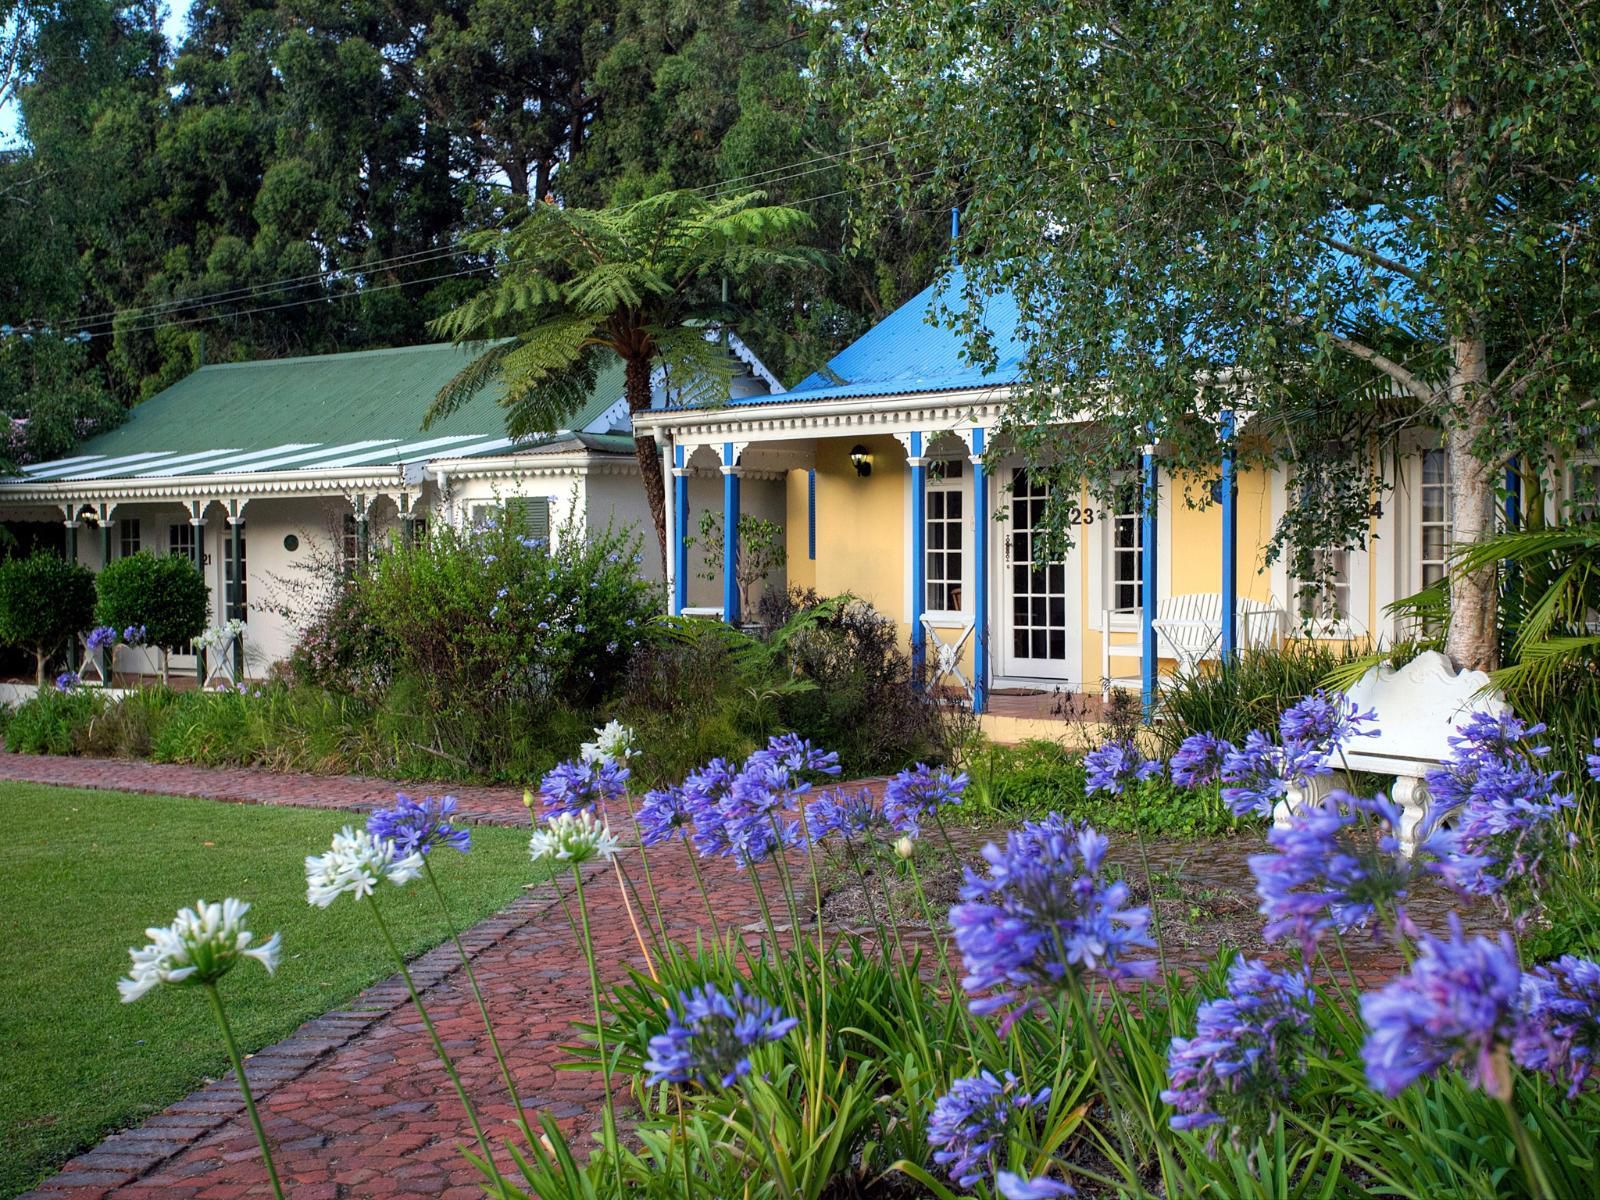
x: 1098, y: 541
x: 1116, y: 518
x: 1358, y: 572
x: 129, y: 533
x: 1585, y: 457
x: 1420, y: 523
x: 937, y: 483
x: 1341, y: 579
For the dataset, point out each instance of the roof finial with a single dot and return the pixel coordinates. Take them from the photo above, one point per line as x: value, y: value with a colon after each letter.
x: 955, y: 224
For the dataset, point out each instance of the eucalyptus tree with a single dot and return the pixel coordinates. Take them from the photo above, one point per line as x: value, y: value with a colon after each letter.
x: 1348, y: 219
x: 576, y: 287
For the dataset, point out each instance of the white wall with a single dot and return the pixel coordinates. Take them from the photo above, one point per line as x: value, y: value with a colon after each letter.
x: 620, y: 500
x: 283, y: 584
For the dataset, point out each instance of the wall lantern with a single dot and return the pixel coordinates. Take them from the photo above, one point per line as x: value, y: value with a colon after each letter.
x: 861, y: 457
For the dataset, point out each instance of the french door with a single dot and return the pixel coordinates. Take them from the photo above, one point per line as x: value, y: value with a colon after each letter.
x: 1038, y: 637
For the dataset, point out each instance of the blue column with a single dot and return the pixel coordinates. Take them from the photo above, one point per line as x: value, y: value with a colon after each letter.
x: 919, y: 552
x: 1514, y: 494
x: 980, y: 576
x: 680, y: 532
x: 1230, y: 546
x: 1148, y: 589
x: 730, y: 536
x: 72, y: 558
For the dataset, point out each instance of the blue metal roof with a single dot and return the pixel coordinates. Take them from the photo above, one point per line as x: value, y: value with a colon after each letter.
x: 906, y: 352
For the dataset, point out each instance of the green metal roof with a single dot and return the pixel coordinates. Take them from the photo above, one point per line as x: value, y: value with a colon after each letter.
x: 327, y: 411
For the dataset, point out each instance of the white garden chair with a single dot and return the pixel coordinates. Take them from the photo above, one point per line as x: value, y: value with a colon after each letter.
x: 944, y: 656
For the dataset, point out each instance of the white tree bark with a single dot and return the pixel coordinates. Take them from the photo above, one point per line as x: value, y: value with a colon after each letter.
x: 1473, y: 640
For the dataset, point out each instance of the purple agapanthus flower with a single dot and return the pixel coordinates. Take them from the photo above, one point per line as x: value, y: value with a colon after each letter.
x: 66, y: 681
x: 1199, y: 759
x: 971, y: 1125
x: 102, y: 637
x: 850, y: 815
x: 710, y: 1036
x: 1483, y: 740
x: 797, y: 755
x: 576, y: 786
x: 755, y: 808
x: 1503, y: 808
x: 919, y: 793
x: 1593, y: 760
x: 1457, y: 1006
x: 1559, y: 1033
x: 133, y: 635
x: 1044, y: 916
x: 1337, y: 865
x: 1012, y: 1186
x: 1317, y: 727
x: 1112, y: 766
x: 663, y: 814
x: 417, y: 826
x: 1247, y: 1051
x: 704, y: 791
x: 1254, y: 776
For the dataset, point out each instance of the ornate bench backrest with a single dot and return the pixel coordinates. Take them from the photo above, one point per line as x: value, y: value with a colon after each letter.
x: 1419, y: 707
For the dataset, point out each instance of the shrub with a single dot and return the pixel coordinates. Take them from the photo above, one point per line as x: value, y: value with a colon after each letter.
x: 344, y: 649
x: 481, y: 618
x: 166, y: 596
x: 864, y: 703
x: 688, y: 699
x: 44, y: 600
x: 53, y: 722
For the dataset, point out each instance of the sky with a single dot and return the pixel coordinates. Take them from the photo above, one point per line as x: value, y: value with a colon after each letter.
x: 174, y: 20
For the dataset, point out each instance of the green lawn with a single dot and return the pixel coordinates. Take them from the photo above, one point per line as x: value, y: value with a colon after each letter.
x: 82, y: 873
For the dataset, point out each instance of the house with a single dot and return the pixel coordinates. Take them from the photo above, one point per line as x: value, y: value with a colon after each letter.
x: 888, y: 476
x: 286, y: 463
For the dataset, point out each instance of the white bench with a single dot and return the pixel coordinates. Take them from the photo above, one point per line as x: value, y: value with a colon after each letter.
x: 1419, y: 708
x: 1189, y: 629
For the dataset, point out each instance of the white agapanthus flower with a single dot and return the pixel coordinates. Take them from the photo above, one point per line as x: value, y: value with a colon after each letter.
x: 572, y: 838
x: 613, y: 742
x: 356, y: 863
x: 201, y: 946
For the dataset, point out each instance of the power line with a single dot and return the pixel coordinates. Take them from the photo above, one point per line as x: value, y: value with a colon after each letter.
x: 412, y: 258
x: 169, y: 309
x: 366, y: 291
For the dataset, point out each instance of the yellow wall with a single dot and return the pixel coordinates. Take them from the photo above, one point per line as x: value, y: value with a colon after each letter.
x: 797, y: 543
x: 861, y: 524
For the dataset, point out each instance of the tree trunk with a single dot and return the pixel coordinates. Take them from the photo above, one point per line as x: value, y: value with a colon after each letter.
x: 637, y: 380
x: 1474, y: 598
x: 38, y: 667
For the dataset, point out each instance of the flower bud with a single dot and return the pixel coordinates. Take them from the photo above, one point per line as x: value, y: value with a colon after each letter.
x: 905, y: 847
x: 527, y: 797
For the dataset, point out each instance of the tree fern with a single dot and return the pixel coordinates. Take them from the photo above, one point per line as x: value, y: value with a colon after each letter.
x: 641, y: 282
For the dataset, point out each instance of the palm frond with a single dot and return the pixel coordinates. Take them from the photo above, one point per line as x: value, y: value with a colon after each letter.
x: 1543, y: 663
x: 544, y: 405
x: 467, y: 382
x: 551, y: 347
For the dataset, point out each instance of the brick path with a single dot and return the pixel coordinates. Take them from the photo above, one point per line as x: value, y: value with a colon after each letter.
x: 354, y: 1101
x: 255, y: 785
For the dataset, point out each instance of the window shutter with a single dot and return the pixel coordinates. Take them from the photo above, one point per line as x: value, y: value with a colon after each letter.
x: 533, y: 513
